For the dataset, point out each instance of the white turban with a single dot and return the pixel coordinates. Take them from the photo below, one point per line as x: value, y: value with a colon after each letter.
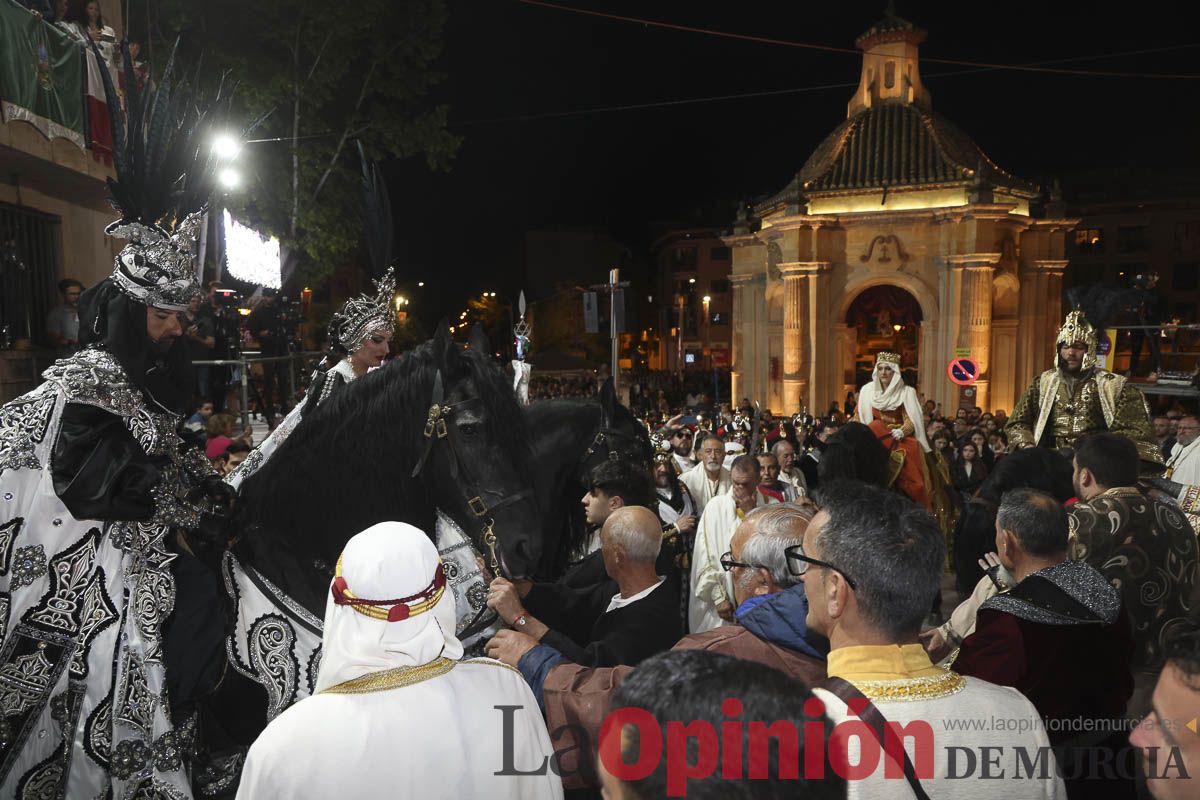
x: 389, y: 560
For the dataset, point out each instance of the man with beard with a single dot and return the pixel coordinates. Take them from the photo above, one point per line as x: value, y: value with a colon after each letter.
x: 789, y: 472
x: 681, y: 447
x: 709, y: 478
x: 1076, y: 398
x: 101, y: 509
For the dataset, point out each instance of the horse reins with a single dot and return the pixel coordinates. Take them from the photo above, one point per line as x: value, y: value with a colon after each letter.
x: 603, y: 438
x: 437, y: 430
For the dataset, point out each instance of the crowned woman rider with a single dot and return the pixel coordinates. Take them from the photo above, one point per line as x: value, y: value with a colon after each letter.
x: 359, y: 337
x: 893, y: 412
x: 101, y: 505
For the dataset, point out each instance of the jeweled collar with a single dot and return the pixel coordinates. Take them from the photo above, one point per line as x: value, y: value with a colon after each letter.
x: 893, y: 673
x: 94, y: 377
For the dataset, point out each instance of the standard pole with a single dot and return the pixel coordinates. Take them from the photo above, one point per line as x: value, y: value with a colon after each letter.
x: 245, y: 394
x: 614, y: 277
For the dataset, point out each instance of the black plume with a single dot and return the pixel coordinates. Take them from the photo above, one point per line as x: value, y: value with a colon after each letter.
x: 377, y: 216
x: 164, y: 167
x: 1099, y: 303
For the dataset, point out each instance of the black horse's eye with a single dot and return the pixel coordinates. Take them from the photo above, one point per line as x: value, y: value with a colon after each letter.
x: 469, y: 428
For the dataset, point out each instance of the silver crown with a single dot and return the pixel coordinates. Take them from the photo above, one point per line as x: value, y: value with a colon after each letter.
x: 363, y: 315
x: 157, y: 268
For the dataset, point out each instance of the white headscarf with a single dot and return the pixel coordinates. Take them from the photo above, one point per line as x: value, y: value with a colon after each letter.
x: 890, y: 398
x: 388, y: 560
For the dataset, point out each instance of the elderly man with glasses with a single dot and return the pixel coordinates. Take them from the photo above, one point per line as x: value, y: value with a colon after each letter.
x: 770, y: 629
x: 871, y: 562
x: 1184, y: 464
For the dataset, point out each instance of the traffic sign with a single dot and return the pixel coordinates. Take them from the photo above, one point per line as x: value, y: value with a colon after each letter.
x: 963, y: 371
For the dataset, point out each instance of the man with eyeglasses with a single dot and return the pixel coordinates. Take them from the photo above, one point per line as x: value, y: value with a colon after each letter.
x: 1184, y: 464
x: 710, y: 603
x: 770, y: 630
x: 709, y: 478
x: 871, y: 563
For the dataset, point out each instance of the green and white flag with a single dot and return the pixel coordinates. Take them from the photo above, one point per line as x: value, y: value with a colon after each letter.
x: 41, y: 75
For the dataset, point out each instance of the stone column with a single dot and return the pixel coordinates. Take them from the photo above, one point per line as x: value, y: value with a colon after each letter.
x: 1040, y: 316
x: 738, y: 361
x: 795, y: 336
x: 975, y: 313
x: 823, y: 377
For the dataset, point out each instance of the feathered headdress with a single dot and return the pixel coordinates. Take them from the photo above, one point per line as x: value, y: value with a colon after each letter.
x: 163, y: 182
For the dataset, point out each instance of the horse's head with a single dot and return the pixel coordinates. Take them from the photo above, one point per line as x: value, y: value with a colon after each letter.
x: 619, y: 436
x: 475, y: 456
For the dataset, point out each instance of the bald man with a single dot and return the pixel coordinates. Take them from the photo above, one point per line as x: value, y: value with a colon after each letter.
x: 642, y: 619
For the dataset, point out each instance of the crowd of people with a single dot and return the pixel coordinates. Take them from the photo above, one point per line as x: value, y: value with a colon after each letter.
x: 752, y: 612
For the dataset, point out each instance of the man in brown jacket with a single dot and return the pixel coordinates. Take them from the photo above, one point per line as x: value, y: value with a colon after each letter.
x: 771, y: 609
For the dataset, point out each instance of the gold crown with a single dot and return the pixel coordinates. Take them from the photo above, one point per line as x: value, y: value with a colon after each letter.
x: 1076, y: 328
x: 887, y: 357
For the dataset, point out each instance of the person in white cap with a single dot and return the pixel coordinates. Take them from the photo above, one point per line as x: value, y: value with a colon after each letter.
x: 396, y: 712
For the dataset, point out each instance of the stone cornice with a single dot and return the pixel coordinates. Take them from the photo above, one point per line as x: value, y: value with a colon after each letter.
x: 798, y: 269
x: 742, y: 240
x: 1044, y: 265
x: 740, y: 279
x: 794, y: 221
x: 1053, y: 225
x: 972, y: 260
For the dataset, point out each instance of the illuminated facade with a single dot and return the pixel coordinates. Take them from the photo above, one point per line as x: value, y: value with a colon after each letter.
x: 898, y: 233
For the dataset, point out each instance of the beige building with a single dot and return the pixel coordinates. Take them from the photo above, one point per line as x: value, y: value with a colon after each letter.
x: 898, y: 233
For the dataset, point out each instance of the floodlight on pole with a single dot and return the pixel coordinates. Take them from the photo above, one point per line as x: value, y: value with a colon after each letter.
x: 226, y: 146
x: 229, y: 178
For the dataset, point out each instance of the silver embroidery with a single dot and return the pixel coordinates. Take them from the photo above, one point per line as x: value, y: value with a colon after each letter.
x: 23, y: 681
x: 93, y: 377
x: 135, y: 704
x: 272, y: 643
x: 28, y: 565
x: 9, y: 532
x: 23, y: 425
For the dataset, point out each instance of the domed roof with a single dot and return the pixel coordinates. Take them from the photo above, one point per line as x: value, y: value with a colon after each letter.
x: 891, y: 145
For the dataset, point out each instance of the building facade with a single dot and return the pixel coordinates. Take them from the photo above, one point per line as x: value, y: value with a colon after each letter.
x: 899, y: 233
x: 691, y: 301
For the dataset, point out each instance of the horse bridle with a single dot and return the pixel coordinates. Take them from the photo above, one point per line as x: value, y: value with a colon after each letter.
x: 436, y: 430
x: 604, y: 437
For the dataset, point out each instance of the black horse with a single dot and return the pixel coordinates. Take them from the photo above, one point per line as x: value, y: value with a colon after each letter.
x: 435, y: 429
x: 570, y: 438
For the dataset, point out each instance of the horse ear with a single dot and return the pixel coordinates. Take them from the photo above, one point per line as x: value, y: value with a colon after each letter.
x: 444, y: 350
x: 479, y: 340
x: 608, y: 396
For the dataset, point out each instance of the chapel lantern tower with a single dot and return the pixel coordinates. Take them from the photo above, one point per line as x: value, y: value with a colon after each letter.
x: 891, y: 68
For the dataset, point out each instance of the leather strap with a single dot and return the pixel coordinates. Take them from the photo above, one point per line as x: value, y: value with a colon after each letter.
x: 875, y: 720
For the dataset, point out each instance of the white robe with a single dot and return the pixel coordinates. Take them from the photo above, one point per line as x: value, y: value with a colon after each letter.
x: 701, y: 488
x: 667, y: 512
x: 710, y: 584
x: 797, y: 481
x: 684, y: 463
x: 1185, y: 463
x: 908, y: 398
x: 443, y: 737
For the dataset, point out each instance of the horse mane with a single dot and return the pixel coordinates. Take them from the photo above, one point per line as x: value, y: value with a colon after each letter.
x: 1029, y: 468
x: 348, y: 464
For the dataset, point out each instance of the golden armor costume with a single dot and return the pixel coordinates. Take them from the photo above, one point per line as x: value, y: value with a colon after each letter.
x: 1058, y: 409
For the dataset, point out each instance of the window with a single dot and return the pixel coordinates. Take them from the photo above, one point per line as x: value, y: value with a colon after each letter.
x: 683, y: 258
x: 720, y: 286
x: 1187, y: 236
x: 720, y: 253
x: 1132, y: 239
x: 1089, y: 240
x: 1185, y: 277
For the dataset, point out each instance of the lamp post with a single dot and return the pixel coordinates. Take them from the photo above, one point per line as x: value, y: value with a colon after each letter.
x: 707, y: 331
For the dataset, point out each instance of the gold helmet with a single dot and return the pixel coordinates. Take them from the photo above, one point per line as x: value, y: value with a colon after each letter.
x: 1076, y: 328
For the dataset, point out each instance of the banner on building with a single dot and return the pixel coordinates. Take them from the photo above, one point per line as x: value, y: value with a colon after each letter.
x: 41, y: 75
x: 591, y: 313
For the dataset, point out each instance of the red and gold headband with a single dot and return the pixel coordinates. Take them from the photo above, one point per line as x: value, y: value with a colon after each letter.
x: 401, y: 608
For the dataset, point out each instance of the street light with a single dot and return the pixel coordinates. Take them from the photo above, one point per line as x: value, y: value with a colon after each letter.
x: 420, y: 283
x: 708, y: 330
x: 229, y: 178
x: 226, y: 146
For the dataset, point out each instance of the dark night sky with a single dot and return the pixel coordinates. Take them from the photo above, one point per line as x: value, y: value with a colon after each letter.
x: 623, y: 170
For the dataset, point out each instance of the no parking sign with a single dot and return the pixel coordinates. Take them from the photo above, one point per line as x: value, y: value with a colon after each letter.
x: 963, y: 371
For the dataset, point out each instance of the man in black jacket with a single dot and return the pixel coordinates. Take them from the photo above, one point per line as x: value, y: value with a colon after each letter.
x: 641, y: 619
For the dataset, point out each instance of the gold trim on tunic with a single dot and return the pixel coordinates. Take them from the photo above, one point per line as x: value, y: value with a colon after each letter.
x: 396, y: 678
x: 929, y: 687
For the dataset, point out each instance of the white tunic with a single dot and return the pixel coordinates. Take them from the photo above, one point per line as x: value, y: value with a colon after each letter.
x: 711, y: 585
x: 702, y: 487
x: 442, y: 737
x: 980, y: 715
x: 1184, y: 463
